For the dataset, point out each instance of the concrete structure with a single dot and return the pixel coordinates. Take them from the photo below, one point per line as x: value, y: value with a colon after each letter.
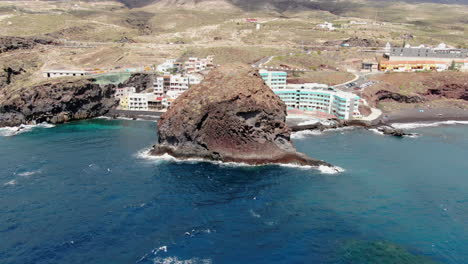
x: 63, y: 73
x: 194, y: 64
x: 168, y: 66
x: 124, y: 91
x: 136, y: 101
x: 308, y: 97
x: 274, y: 79
x: 423, y: 58
x: 369, y: 66
x: 175, y: 83
x: 327, y: 26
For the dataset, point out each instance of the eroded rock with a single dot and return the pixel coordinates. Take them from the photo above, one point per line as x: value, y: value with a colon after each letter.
x: 231, y: 116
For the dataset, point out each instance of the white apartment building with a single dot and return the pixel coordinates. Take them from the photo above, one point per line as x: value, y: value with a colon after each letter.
x: 308, y: 97
x: 136, y: 101
x: 274, y: 79
x: 124, y: 91
x: 194, y: 64
x: 175, y: 83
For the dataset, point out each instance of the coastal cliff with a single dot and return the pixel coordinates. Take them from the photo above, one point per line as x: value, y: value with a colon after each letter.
x: 231, y: 116
x: 55, y: 101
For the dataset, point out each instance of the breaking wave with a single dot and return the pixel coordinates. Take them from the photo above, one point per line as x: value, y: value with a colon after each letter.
x: 307, y: 133
x: 427, y: 124
x: 12, y: 182
x: 176, y: 260
x: 28, y: 173
x: 13, y: 131
x: 145, y: 155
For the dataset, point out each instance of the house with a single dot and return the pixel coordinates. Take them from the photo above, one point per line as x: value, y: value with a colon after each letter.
x: 63, y: 73
x: 124, y: 91
x: 251, y: 20
x: 176, y: 83
x: 136, y: 101
x: 193, y: 64
x: 168, y: 66
x: 369, y: 66
x: 327, y: 26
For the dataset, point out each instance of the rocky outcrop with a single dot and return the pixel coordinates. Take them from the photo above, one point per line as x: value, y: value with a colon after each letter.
x: 388, y: 95
x: 231, y: 116
x: 14, y: 43
x: 141, y: 81
x: 55, y: 102
x: 391, y: 131
x: 358, y: 42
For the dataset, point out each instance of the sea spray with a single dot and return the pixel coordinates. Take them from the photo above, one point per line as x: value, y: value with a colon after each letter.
x: 145, y: 155
x: 427, y: 124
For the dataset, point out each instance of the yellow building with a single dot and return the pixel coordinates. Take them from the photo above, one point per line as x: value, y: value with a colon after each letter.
x: 411, y: 66
x: 123, y: 104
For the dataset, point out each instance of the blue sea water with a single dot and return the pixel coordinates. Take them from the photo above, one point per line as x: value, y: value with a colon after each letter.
x: 80, y: 193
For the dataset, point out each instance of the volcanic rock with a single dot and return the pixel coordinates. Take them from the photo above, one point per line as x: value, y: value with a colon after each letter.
x: 55, y: 102
x: 14, y: 43
x: 232, y: 116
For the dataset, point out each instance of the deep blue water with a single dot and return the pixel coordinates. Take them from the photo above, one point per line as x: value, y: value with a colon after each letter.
x: 78, y: 193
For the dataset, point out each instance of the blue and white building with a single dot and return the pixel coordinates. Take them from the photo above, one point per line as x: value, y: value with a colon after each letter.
x: 309, y: 97
x: 274, y: 79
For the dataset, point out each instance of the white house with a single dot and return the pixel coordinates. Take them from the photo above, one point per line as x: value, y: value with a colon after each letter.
x: 167, y: 66
x: 327, y: 26
x: 63, y: 73
x: 194, y: 64
x: 124, y: 91
x: 136, y: 101
x: 177, y: 83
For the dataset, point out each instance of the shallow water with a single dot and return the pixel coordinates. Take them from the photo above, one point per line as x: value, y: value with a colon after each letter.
x: 80, y: 193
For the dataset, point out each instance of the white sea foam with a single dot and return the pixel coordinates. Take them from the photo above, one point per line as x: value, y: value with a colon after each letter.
x: 176, y: 260
x: 145, y: 154
x: 375, y: 130
x: 12, y: 182
x: 305, y: 133
x: 103, y: 117
x: 427, y: 124
x: 330, y: 170
x: 12, y: 131
x: 28, y: 173
x: 254, y: 214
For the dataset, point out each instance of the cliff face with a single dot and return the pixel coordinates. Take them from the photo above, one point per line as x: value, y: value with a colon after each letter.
x: 231, y: 116
x: 55, y: 102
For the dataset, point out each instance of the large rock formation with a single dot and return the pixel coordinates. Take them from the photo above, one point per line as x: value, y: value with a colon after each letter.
x: 55, y: 101
x: 231, y: 116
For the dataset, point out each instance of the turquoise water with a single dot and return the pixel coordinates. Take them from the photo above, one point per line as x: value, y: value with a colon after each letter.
x: 80, y: 193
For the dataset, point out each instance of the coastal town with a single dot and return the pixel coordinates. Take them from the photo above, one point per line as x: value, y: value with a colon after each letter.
x: 173, y: 77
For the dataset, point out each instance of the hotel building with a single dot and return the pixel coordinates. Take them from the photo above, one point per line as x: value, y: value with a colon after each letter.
x: 274, y: 79
x: 313, y: 97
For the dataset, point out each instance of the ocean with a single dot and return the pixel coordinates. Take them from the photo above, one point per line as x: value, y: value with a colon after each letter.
x: 85, y: 192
